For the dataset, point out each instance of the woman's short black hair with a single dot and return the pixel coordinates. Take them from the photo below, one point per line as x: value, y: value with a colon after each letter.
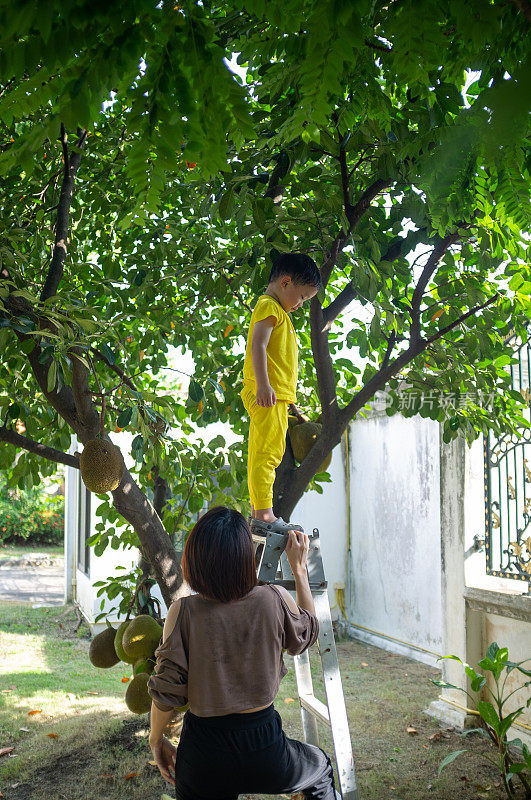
x: 218, y: 559
x: 301, y: 269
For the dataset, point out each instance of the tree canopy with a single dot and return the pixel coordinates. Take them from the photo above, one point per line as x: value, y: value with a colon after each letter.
x: 146, y: 190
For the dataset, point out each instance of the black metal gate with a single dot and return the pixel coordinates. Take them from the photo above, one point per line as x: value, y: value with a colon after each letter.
x: 508, y: 486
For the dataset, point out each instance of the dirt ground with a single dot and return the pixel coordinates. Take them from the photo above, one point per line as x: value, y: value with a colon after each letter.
x: 99, y: 751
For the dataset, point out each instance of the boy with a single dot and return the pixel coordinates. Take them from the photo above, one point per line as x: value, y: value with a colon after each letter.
x: 270, y: 379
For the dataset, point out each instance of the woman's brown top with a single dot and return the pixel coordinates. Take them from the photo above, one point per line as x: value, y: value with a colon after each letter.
x: 227, y: 657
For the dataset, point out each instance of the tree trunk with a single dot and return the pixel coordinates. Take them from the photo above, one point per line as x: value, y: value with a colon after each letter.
x: 134, y: 506
x: 291, y: 481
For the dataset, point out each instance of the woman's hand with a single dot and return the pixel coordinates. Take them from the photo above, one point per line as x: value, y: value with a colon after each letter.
x: 164, y: 753
x: 297, y: 551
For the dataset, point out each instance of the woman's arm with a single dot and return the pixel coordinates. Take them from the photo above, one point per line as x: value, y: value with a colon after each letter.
x: 159, y: 719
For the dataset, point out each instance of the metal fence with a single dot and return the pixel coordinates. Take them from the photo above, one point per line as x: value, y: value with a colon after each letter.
x: 508, y: 485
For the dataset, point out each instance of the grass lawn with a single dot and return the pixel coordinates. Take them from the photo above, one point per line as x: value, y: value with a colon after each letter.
x: 84, y: 744
x: 18, y: 550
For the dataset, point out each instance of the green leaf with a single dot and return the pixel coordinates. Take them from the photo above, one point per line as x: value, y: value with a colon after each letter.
x: 449, y: 758
x: 218, y: 389
x: 510, y: 665
x: 82, y: 359
x: 137, y: 447
x: 487, y: 663
x: 476, y: 680
x: 507, y: 721
x: 109, y: 354
x: 491, y: 651
x: 226, y: 204
x: 125, y: 418
x: 195, y: 391
x: 27, y: 346
x: 481, y: 731
x: 445, y: 685
x: 87, y: 325
x: 454, y: 658
x: 488, y: 712
x: 259, y: 216
x: 52, y: 375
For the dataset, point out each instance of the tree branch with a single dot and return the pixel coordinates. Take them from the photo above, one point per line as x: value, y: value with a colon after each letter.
x: 394, y: 250
x: 387, y: 370
x: 338, y: 304
x: 360, y: 160
x: 66, y: 160
x: 115, y: 369
x: 63, y: 400
x: 349, y: 293
x: 437, y: 253
x: 344, y: 181
x: 356, y: 213
x: 50, y: 453
x: 379, y: 379
x: 525, y: 8
x: 390, y: 344
x: 82, y: 395
x: 460, y: 319
x: 324, y: 369
x: 71, y: 166
x: 274, y: 190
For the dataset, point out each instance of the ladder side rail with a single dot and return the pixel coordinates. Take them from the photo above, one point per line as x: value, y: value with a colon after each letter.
x: 303, y: 675
x: 335, y: 700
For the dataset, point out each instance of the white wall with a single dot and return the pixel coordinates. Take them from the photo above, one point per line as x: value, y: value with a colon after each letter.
x: 395, y: 591
x: 78, y: 585
x: 328, y: 513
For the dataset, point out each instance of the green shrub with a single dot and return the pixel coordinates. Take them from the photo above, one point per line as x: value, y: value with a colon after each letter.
x: 494, y: 724
x: 31, y: 517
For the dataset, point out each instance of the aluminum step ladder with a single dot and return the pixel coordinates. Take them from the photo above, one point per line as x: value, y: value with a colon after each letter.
x: 273, y: 567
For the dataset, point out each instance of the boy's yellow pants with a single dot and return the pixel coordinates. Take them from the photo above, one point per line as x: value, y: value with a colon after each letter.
x: 267, y: 442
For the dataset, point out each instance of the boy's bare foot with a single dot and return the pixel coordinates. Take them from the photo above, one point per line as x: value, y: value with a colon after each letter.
x: 264, y: 515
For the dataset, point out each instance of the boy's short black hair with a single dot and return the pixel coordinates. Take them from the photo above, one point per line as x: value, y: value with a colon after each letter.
x: 301, y: 269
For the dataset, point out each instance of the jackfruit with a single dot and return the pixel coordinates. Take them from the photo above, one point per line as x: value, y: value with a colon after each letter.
x: 118, y: 646
x: 303, y: 437
x: 102, y: 466
x: 144, y: 665
x: 292, y: 420
x: 141, y: 637
x: 137, y: 698
x: 101, y: 650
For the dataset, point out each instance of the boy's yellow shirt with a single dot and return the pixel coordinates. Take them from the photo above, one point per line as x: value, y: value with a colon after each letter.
x: 282, y: 350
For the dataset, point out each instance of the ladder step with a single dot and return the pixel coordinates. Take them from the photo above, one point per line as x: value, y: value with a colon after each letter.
x: 315, y: 707
x: 291, y: 586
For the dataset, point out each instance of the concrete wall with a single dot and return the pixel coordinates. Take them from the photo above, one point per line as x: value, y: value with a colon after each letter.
x: 328, y: 512
x: 395, y: 586
x: 516, y: 636
x: 485, y: 627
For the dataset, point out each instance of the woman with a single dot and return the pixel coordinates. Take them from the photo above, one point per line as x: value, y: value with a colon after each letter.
x: 221, y: 651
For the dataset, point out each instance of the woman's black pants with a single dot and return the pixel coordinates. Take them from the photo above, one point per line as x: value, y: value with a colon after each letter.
x: 219, y: 758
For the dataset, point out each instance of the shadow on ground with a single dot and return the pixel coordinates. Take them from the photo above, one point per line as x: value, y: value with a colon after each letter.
x: 103, y: 754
